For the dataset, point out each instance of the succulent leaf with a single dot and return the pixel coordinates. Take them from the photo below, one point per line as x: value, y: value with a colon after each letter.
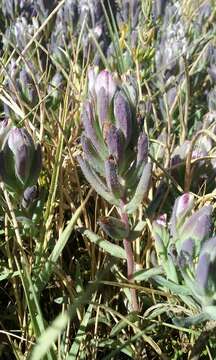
x: 96, y: 182
x: 92, y: 155
x: 141, y: 190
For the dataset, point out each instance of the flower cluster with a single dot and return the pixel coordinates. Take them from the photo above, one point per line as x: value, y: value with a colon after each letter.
x: 115, y: 147
x: 20, y: 160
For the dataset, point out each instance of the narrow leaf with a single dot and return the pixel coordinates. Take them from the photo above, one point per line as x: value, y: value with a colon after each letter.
x: 141, y: 190
x: 110, y: 248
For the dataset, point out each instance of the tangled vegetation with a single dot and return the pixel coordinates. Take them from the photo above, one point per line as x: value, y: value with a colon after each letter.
x: 107, y: 179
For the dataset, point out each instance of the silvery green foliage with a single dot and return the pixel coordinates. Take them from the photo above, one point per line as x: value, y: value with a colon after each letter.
x: 14, y: 8
x: 129, y: 13
x: 115, y: 148
x: 171, y: 45
x: 20, y: 160
x: 43, y: 8
x: 158, y: 8
x: 19, y: 33
x: 65, y: 27
x: 20, y: 85
x: 55, y: 89
x: 187, y: 252
x: 211, y: 70
x: 75, y: 17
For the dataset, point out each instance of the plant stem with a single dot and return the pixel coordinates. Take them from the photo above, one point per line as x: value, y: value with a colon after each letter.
x: 130, y: 263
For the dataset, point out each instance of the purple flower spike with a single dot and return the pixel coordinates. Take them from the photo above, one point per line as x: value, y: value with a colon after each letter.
x: 105, y: 80
x: 142, y: 149
x: 112, y: 178
x: 123, y: 116
x: 114, y: 141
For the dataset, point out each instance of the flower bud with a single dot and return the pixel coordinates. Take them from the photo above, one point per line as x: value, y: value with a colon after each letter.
x: 112, y: 178
x: 102, y: 107
x: 20, y: 160
x: 182, y: 208
x: 142, y: 149
x: 105, y: 80
x: 123, y: 116
x: 186, y: 253
x: 27, y: 87
x: 197, y: 226
x: 115, y: 142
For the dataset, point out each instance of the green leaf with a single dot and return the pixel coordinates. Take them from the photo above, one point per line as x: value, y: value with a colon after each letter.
x: 112, y: 249
x: 51, y: 334
x: 132, y: 317
x: 135, y: 232
x: 95, y: 181
x: 113, y: 227
x: 6, y: 273
x: 141, y: 190
x: 145, y: 275
x: 80, y: 336
x: 58, y: 248
x: 190, y: 321
x: 174, y: 288
x: 211, y: 311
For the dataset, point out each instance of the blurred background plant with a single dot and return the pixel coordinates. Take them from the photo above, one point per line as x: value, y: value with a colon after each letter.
x: 185, y: 250
x: 64, y: 291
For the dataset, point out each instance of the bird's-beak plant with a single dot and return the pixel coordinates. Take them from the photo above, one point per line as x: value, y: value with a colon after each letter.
x: 115, y: 155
